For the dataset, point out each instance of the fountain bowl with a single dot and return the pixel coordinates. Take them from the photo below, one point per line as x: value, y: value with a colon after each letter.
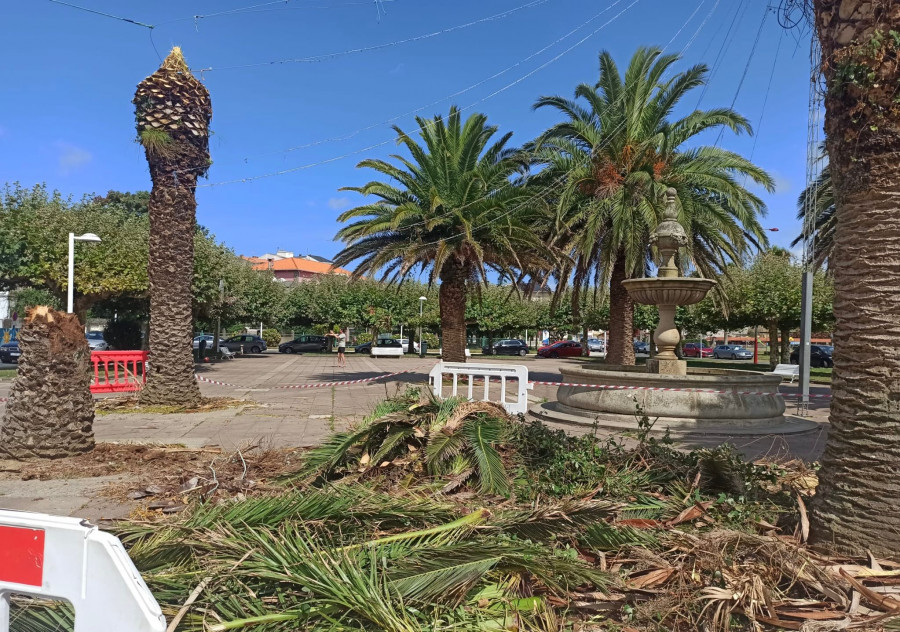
x: 746, y: 402
x: 668, y: 291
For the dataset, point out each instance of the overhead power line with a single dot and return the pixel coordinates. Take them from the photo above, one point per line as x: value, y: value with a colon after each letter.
x: 483, y: 99
x: 737, y: 92
x: 366, y: 49
x: 106, y: 15
x: 469, y: 88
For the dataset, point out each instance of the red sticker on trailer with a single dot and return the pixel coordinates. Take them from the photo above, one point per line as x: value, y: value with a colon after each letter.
x: 22, y: 555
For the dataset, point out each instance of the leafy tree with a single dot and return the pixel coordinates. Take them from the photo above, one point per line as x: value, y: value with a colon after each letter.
x: 616, y: 152
x: 451, y: 211
x: 34, y: 228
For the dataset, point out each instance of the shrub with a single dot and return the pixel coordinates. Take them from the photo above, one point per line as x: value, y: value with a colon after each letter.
x: 272, y: 337
x: 123, y: 335
x: 431, y: 340
x: 363, y: 338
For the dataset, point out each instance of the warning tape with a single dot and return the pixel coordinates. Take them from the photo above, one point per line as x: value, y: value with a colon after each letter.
x: 200, y: 378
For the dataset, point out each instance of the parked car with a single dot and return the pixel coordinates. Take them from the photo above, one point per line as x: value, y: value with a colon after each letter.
x: 246, y: 343
x: 561, y: 349
x: 695, y: 350
x: 96, y: 341
x: 405, y: 343
x: 366, y: 347
x: 9, y: 352
x: 641, y: 347
x: 596, y: 345
x: 506, y: 347
x: 820, y: 356
x: 207, y: 338
x: 732, y: 352
x: 304, y: 343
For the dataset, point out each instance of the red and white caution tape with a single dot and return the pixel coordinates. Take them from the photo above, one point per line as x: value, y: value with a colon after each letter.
x: 313, y: 385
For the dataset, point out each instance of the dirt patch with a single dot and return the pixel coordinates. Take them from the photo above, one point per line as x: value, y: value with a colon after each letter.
x: 124, y: 405
x: 165, y: 477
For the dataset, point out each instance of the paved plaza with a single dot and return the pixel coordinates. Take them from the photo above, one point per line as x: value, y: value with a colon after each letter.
x: 274, y: 416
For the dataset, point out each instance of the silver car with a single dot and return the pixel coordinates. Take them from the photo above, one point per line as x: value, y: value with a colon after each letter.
x: 96, y: 341
x: 732, y: 352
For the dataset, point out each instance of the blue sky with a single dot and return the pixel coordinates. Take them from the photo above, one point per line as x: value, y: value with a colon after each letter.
x: 66, y: 116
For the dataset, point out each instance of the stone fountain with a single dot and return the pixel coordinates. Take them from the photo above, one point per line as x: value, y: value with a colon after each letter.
x: 684, y: 401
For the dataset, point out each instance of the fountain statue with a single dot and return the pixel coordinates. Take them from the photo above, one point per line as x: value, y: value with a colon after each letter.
x: 684, y: 401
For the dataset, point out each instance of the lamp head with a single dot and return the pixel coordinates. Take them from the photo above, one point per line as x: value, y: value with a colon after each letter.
x: 422, y: 298
x: 87, y: 237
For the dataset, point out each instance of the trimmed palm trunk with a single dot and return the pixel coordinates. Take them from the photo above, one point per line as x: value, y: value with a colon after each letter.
x: 173, y: 112
x: 452, y: 298
x: 857, y: 503
x: 50, y: 413
x: 621, y: 317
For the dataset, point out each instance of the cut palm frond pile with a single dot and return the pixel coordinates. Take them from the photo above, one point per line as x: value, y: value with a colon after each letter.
x: 453, y: 516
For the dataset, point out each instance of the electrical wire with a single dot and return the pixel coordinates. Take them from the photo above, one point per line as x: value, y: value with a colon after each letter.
x: 479, y: 101
x: 737, y: 92
x: 267, y: 6
x: 765, y: 100
x: 726, y: 43
x: 366, y: 49
x: 442, y: 99
x: 106, y: 15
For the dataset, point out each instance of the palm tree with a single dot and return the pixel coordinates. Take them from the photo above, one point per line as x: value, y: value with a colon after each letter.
x: 856, y: 503
x: 454, y: 211
x: 616, y: 153
x: 173, y: 111
x: 50, y: 413
x: 825, y: 218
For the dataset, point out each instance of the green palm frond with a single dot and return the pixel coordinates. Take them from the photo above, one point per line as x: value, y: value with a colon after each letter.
x: 603, y: 536
x: 481, y: 436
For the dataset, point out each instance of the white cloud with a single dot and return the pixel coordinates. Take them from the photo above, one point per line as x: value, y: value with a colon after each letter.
x: 71, y: 157
x: 337, y: 204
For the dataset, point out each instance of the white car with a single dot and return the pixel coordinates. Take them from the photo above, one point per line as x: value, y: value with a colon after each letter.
x: 405, y: 343
x: 208, y: 339
x: 96, y: 341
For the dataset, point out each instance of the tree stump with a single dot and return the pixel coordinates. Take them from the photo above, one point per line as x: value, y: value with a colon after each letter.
x: 50, y: 412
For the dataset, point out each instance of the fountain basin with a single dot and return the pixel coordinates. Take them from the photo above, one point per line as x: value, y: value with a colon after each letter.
x: 668, y: 291
x: 748, y: 406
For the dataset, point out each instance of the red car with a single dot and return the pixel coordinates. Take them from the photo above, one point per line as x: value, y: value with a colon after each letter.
x: 694, y: 350
x: 561, y: 349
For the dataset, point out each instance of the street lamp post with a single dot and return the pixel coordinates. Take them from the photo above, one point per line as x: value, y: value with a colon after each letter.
x: 422, y: 300
x: 91, y: 237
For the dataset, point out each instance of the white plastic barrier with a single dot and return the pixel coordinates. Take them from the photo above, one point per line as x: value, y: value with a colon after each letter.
x: 498, y: 372
x: 58, y: 558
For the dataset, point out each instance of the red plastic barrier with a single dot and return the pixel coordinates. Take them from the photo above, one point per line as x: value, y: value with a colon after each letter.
x: 118, y: 371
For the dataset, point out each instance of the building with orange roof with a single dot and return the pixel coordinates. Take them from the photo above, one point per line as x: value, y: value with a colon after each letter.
x: 291, y: 269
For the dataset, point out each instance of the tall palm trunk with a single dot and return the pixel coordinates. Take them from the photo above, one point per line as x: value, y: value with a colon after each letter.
x: 452, y: 299
x: 50, y: 413
x: 857, y: 502
x: 621, y: 317
x: 173, y: 112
